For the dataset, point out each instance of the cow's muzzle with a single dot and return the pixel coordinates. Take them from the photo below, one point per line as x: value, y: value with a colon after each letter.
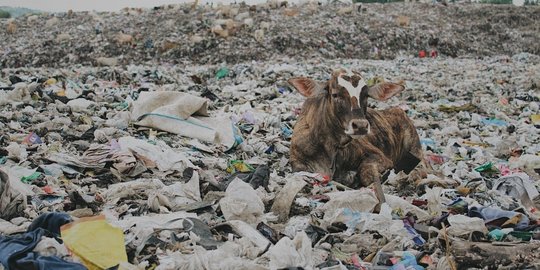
x: 357, y: 128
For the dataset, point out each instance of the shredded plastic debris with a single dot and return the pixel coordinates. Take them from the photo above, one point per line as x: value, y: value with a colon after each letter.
x: 167, y: 146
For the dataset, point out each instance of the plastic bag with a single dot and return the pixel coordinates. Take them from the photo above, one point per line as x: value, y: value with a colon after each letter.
x: 98, y: 244
x: 242, y: 203
x: 362, y: 200
x: 463, y: 225
x: 292, y: 253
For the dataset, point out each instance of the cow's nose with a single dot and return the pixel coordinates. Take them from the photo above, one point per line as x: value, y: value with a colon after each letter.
x: 359, y: 126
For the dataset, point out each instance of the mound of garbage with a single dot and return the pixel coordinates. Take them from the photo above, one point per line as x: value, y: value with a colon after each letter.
x: 241, y: 33
x: 159, y: 139
x: 186, y: 167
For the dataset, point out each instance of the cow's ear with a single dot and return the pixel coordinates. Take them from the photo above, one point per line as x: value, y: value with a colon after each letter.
x: 385, y: 90
x: 307, y: 87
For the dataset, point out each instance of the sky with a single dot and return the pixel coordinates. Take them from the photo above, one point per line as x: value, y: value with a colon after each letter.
x: 101, y: 5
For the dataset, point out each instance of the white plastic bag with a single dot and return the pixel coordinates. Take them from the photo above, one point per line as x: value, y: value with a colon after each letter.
x: 292, y: 253
x: 461, y: 225
x: 242, y: 203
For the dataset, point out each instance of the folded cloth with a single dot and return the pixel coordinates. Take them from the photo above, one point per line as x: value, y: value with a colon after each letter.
x: 497, y: 217
x: 16, y: 253
x: 50, y: 222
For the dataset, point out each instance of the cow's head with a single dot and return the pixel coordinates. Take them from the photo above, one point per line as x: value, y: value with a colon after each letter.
x: 346, y: 95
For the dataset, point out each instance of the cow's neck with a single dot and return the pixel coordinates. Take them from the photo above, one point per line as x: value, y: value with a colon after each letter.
x: 324, y: 126
x: 325, y: 130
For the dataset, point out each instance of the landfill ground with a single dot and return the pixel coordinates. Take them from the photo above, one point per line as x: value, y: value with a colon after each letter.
x: 176, y: 34
x: 167, y: 147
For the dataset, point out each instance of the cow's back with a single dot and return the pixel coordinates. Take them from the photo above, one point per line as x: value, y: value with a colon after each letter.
x: 391, y: 131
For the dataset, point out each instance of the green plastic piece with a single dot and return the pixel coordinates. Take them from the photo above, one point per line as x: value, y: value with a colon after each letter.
x: 30, y: 178
x: 487, y: 167
x: 222, y: 73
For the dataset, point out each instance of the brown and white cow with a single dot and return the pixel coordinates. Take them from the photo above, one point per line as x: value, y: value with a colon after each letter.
x: 337, y: 133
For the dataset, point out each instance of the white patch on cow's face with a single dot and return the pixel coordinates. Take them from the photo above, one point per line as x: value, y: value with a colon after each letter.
x: 351, y: 132
x: 353, y: 91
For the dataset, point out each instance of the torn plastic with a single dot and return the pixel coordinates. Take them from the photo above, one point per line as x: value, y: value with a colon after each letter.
x: 283, y: 201
x: 67, y: 116
x: 292, y: 253
x: 13, y: 194
x: 461, y: 225
x: 519, y: 186
x: 241, y: 202
x: 107, y: 249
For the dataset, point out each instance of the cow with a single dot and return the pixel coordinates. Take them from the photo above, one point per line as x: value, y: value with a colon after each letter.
x: 122, y: 39
x: 338, y: 135
x: 11, y: 28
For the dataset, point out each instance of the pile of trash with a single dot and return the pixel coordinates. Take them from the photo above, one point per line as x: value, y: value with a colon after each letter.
x: 116, y: 163
x: 241, y: 33
x: 186, y: 167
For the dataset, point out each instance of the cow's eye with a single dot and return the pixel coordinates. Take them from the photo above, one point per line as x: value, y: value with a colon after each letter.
x: 334, y: 95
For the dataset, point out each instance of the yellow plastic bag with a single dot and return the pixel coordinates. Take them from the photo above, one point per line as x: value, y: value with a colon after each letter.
x: 98, y: 244
x: 50, y: 81
x: 239, y: 166
x: 535, y: 119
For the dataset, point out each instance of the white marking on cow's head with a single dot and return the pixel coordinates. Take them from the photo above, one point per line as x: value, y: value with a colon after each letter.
x: 353, y: 91
x: 358, y: 127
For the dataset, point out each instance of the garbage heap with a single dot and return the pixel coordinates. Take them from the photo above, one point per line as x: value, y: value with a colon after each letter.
x: 187, y: 167
x: 242, y: 33
x: 103, y: 161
